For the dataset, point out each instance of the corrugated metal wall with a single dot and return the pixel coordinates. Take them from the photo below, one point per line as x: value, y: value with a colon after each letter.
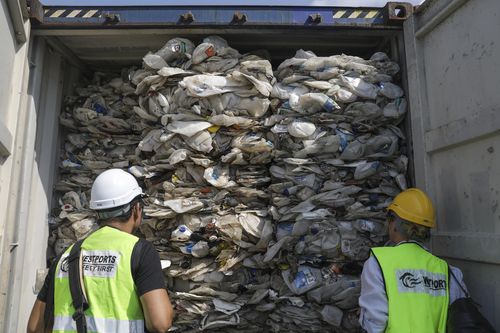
x: 453, y: 55
x: 30, y: 171
x: 14, y: 139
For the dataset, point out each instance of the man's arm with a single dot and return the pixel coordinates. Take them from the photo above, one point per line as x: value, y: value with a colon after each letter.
x: 373, y: 299
x: 158, y: 310
x: 150, y: 283
x: 457, y: 286
x: 36, y: 322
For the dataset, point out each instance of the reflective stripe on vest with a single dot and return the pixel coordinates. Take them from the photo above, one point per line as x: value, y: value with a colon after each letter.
x: 108, y: 281
x: 67, y: 324
x: 416, y: 284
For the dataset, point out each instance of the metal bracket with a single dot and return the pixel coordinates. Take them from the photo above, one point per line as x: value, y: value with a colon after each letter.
x: 13, y: 246
x: 314, y: 19
x: 35, y: 10
x: 186, y: 18
x: 110, y: 18
x: 5, y: 141
x: 395, y: 13
x: 239, y: 18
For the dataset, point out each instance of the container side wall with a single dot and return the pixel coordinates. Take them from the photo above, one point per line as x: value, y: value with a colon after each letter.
x: 50, y: 77
x: 453, y: 55
x: 16, y: 147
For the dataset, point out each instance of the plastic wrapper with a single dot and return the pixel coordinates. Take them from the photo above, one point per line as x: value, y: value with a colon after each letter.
x: 266, y: 188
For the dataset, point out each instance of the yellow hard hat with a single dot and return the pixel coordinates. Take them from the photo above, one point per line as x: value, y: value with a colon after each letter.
x: 413, y: 205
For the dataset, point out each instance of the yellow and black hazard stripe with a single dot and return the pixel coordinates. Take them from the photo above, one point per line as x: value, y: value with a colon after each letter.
x: 365, y: 14
x: 72, y: 13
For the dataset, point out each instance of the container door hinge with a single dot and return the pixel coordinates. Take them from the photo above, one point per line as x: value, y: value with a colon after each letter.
x: 314, y: 19
x: 395, y: 13
x: 110, y: 18
x: 35, y: 11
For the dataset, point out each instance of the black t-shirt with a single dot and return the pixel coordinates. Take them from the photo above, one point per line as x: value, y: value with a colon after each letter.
x: 145, y: 265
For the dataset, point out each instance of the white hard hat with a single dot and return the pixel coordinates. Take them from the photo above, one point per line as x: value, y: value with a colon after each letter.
x: 113, y: 188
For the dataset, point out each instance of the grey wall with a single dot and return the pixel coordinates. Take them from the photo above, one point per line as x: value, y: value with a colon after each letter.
x: 15, y: 150
x: 453, y: 55
x: 6, y: 60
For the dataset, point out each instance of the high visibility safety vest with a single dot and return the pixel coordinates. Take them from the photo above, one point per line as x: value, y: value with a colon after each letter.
x: 416, y: 284
x: 109, y: 286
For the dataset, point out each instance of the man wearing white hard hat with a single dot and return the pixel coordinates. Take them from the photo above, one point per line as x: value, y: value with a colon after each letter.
x: 121, y: 286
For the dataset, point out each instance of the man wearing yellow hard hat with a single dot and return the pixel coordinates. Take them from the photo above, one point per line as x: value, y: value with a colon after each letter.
x: 404, y: 288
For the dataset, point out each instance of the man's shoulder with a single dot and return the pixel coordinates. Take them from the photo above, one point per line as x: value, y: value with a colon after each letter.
x: 117, y: 233
x: 382, y: 249
x: 143, y: 248
x: 143, y: 243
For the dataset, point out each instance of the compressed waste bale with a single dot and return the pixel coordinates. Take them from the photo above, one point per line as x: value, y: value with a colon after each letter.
x: 266, y: 188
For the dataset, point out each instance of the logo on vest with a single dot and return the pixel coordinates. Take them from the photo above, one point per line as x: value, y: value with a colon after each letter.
x: 421, y: 281
x: 100, y: 263
x: 409, y: 280
x: 63, y: 266
x: 96, y: 263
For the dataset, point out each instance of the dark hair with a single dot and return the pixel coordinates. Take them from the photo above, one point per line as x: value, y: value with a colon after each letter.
x: 119, y: 214
x: 411, y: 230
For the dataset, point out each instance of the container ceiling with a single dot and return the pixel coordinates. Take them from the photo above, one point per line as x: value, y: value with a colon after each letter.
x: 114, y: 49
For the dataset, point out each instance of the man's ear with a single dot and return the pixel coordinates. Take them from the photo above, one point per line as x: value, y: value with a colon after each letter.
x: 135, y: 211
x: 390, y: 226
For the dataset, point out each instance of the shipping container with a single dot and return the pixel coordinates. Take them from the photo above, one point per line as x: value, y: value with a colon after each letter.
x: 449, y: 52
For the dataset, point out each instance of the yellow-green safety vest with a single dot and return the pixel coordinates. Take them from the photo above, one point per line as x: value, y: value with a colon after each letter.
x: 416, y: 284
x: 109, y: 285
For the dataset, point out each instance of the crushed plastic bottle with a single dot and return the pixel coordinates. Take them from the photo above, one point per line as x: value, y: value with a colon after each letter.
x: 181, y: 234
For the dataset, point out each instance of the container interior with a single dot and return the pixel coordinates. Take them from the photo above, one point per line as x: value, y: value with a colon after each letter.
x: 61, y: 59
x: 71, y: 56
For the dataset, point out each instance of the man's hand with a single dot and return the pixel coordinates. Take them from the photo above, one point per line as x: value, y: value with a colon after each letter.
x: 158, y: 310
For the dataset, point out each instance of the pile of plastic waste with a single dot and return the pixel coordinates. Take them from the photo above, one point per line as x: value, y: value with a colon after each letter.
x: 266, y: 188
